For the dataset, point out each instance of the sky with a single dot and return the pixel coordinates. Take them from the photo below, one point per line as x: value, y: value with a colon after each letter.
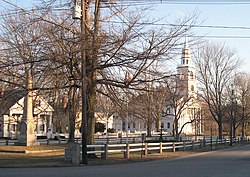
x: 231, y: 14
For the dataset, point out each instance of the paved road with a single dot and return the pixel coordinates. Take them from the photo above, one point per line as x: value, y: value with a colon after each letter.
x: 234, y: 162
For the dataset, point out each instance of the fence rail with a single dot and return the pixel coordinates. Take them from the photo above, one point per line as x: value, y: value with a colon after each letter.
x: 105, y: 150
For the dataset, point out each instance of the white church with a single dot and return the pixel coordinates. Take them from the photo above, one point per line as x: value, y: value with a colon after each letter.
x: 188, y: 119
x: 188, y: 107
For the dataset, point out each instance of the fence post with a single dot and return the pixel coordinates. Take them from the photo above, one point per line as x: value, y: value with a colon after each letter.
x: 192, y: 147
x: 126, y: 153
x: 48, y: 140
x: 105, y: 154
x: 146, y: 149
x: 160, y: 147
x: 184, y: 145
x: 7, y: 142
x: 204, y: 142
x: 201, y: 142
x: 173, y: 146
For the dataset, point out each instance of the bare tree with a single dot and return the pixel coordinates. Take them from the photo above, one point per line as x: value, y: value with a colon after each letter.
x: 179, y: 101
x: 112, y: 49
x: 242, y: 94
x: 148, y: 106
x: 216, y: 63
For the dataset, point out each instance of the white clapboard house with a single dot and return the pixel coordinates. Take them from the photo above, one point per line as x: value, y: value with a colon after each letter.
x: 11, y: 112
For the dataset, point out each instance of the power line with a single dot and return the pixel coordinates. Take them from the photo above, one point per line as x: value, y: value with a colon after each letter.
x: 182, y: 2
x: 193, y: 26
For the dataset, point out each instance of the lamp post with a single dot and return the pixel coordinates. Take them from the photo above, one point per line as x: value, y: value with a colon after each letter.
x: 161, y: 138
x: 127, y: 80
x: 79, y: 13
x: 232, y: 115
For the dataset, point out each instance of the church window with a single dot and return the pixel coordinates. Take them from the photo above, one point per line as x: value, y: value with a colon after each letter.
x: 192, y: 88
x: 168, y: 125
x: 191, y: 74
x: 168, y: 110
x: 187, y: 61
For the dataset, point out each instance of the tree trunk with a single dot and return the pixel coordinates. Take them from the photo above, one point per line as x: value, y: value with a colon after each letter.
x: 220, y: 127
x: 149, y: 128
x: 243, y: 129
x: 177, y: 135
x: 71, y: 122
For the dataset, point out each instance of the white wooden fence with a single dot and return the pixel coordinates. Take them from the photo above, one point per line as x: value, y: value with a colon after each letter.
x: 105, y: 150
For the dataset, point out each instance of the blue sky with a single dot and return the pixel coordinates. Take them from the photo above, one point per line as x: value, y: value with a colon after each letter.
x: 228, y: 15
x: 215, y: 14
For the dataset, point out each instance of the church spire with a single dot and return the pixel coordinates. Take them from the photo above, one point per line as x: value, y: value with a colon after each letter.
x: 185, y: 58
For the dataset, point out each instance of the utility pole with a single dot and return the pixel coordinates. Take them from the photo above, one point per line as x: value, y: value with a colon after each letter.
x: 84, y: 85
x: 79, y: 13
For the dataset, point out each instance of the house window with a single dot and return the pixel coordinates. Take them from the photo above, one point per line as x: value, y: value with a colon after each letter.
x: 17, y: 117
x: 18, y: 126
x: 123, y: 126
x: 42, y: 127
x: 13, y: 127
x: 168, y: 125
x: 43, y: 117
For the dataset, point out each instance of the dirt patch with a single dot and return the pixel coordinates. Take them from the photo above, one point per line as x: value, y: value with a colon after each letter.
x: 31, y: 148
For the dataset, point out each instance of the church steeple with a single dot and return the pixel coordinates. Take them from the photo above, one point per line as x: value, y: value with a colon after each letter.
x: 187, y: 72
x: 185, y: 58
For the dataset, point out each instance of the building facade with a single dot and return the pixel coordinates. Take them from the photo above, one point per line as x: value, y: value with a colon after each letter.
x: 186, y: 109
x: 11, y: 113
